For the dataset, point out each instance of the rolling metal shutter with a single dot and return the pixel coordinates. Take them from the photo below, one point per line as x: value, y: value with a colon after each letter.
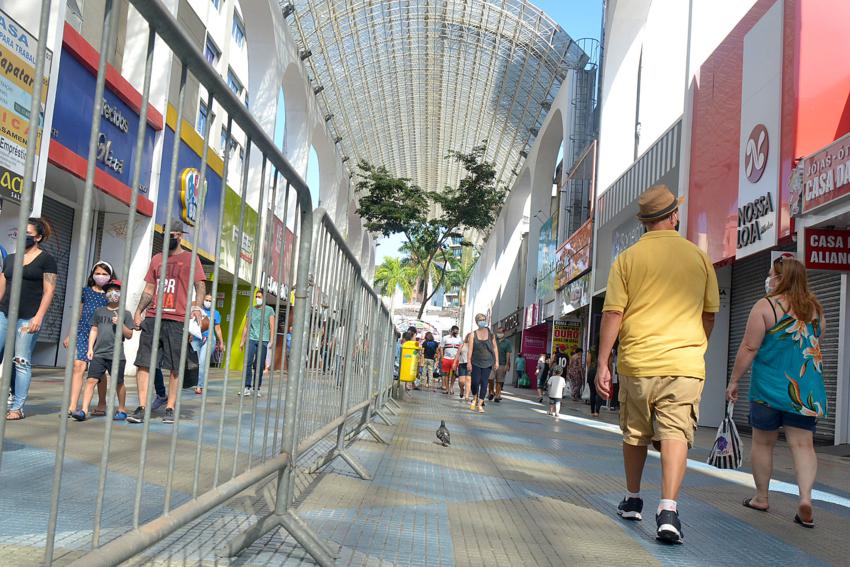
x: 827, y: 287
x: 61, y: 218
x: 747, y: 287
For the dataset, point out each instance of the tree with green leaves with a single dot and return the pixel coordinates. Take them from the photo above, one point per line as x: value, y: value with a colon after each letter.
x: 390, y: 205
x: 393, y: 274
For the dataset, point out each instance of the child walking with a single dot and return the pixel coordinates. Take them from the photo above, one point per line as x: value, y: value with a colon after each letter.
x: 555, y: 386
x: 104, y: 325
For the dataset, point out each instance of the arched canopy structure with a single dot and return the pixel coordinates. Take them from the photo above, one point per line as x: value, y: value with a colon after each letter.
x: 402, y: 82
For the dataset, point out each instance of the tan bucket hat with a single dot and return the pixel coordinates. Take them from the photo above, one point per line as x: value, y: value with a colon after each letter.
x: 657, y: 202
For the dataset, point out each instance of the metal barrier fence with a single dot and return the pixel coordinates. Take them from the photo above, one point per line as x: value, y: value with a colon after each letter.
x: 340, y: 364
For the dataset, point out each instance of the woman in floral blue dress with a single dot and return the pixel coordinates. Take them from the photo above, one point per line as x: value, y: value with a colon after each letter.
x: 783, y: 344
x: 92, y: 298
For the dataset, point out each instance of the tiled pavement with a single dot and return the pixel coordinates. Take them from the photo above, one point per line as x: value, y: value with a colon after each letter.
x: 515, y: 488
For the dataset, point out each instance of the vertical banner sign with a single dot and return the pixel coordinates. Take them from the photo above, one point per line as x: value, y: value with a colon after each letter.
x: 17, y: 79
x: 566, y: 335
x: 761, y: 95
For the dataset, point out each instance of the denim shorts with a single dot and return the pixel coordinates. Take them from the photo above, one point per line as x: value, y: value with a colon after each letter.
x: 766, y: 418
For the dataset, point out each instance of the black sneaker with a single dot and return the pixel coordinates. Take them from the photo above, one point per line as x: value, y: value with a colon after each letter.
x: 669, y: 528
x: 630, y: 509
x: 490, y: 397
x: 137, y: 416
x: 169, y: 416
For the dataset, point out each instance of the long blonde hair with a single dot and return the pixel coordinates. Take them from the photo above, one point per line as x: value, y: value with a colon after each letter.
x: 793, y: 284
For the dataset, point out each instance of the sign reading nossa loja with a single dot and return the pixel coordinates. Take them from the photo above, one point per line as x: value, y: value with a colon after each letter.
x: 826, y: 174
x: 827, y: 249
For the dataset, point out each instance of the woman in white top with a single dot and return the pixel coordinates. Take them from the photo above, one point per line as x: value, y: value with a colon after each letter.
x: 459, y: 366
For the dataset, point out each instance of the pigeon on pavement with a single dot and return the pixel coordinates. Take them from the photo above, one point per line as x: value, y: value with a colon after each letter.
x: 443, y: 434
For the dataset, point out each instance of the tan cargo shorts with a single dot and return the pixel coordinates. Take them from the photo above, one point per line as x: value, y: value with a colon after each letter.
x: 659, y: 407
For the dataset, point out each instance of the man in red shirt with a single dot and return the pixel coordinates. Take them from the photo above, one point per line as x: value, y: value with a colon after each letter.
x: 176, y: 290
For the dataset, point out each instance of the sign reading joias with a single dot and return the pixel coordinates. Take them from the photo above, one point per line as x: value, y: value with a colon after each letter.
x: 826, y: 174
x: 827, y: 249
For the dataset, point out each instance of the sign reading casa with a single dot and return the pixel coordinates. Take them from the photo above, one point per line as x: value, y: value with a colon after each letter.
x: 827, y: 249
x: 826, y: 174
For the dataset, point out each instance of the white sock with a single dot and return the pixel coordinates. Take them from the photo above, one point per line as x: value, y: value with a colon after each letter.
x: 665, y: 504
x: 632, y: 494
x: 557, y: 408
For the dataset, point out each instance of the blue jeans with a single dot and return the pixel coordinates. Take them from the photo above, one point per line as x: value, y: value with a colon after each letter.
x: 202, y: 370
x: 251, y: 371
x: 24, y: 345
x: 479, y: 381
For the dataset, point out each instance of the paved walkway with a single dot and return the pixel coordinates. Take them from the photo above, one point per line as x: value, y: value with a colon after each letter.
x: 519, y: 488
x: 515, y: 488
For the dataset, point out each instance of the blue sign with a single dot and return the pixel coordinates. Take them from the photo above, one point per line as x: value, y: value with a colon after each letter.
x: 119, y: 124
x: 187, y: 194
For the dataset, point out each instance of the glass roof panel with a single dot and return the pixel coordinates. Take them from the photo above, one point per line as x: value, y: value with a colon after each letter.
x: 409, y: 80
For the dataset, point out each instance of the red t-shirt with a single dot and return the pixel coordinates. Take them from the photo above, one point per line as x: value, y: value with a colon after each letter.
x: 176, y: 287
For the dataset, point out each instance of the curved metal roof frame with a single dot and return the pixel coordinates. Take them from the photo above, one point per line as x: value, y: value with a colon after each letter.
x: 405, y: 81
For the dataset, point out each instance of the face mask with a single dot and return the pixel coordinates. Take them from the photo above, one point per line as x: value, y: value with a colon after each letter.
x: 30, y: 241
x: 454, y: 333
x: 207, y: 304
x: 113, y: 296
x: 173, y: 242
x: 258, y: 301
x: 100, y: 279
x: 482, y: 324
x: 768, y: 288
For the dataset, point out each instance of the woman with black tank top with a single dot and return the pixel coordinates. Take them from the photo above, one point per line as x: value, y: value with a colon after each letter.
x: 483, y: 359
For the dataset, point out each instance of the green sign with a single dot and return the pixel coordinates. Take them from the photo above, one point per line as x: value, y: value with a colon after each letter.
x: 231, y: 246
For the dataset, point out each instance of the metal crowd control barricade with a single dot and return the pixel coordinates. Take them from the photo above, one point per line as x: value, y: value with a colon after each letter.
x: 340, y: 365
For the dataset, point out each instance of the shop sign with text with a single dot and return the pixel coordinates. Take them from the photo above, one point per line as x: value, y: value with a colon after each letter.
x: 827, y: 249
x: 576, y: 295
x: 546, y: 258
x: 760, y: 128
x: 116, y: 140
x: 17, y: 79
x: 566, y: 336
x: 574, y: 255
x: 826, y: 174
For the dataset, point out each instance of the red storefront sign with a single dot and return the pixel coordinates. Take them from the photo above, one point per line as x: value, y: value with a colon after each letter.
x: 826, y: 174
x: 827, y: 249
x: 574, y: 255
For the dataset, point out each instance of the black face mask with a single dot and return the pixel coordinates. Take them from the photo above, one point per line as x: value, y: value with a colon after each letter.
x: 173, y: 242
x: 30, y: 241
x: 677, y: 226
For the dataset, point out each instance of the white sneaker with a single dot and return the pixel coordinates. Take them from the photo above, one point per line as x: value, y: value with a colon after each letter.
x: 246, y: 392
x: 10, y: 399
x: 259, y: 394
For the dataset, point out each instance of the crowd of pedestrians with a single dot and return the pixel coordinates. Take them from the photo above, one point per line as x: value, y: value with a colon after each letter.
x: 183, y: 288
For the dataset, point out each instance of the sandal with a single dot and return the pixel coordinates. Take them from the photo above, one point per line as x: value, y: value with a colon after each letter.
x: 98, y: 413
x: 120, y: 416
x: 748, y: 503
x: 79, y: 415
x: 799, y: 520
x: 14, y: 415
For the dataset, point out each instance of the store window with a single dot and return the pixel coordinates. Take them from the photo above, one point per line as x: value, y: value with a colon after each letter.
x: 212, y: 52
x: 201, y: 124
x: 238, y: 31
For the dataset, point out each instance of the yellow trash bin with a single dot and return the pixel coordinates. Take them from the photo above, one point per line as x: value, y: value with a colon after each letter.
x: 409, y: 361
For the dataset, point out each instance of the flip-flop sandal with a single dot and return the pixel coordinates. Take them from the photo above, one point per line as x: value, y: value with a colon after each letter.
x: 748, y: 503
x: 14, y: 415
x: 799, y: 520
x: 79, y: 415
x: 98, y: 413
x: 120, y: 416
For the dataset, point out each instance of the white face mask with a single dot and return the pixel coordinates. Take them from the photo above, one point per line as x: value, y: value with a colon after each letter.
x: 207, y: 304
x: 113, y: 296
x: 258, y: 301
x: 482, y: 324
x: 768, y: 286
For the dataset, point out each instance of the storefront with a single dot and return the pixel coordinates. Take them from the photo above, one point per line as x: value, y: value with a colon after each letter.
x: 186, y: 207
x: 65, y: 179
x: 792, y: 103
x: 572, y: 280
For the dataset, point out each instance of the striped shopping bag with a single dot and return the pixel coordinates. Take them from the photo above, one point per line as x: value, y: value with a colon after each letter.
x: 726, y: 452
